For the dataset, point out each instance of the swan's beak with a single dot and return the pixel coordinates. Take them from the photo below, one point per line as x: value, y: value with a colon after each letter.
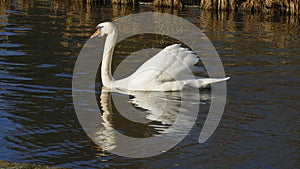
x: 97, y: 33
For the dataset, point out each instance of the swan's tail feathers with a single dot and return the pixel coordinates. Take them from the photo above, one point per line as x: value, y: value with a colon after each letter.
x: 202, y: 83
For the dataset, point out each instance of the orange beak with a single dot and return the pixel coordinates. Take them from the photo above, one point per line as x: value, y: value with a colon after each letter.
x: 97, y: 33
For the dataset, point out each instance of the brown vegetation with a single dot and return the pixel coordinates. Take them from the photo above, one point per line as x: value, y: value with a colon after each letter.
x: 125, y: 2
x: 168, y: 3
x: 218, y: 4
x: 284, y: 7
x: 279, y: 6
x: 290, y: 7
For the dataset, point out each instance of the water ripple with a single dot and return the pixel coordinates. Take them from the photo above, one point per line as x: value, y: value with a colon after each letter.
x: 9, y: 45
x: 5, y: 76
x: 46, y: 65
x: 34, y: 88
x: 11, y: 53
x: 64, y: 75
x: 5, y: 23
x: 18, y: 29
x: 12, y: 64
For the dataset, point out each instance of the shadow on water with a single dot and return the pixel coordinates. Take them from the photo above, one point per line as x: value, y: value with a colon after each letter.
x: 39, y: 44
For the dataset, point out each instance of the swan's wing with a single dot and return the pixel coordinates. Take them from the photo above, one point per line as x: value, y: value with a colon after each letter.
x: 168, y: 70
x: 172, y: 63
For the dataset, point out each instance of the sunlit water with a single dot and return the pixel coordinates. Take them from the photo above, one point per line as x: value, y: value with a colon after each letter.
x: 40, y: 42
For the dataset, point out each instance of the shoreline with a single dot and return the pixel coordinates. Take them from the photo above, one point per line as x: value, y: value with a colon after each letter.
x: 16, y: 165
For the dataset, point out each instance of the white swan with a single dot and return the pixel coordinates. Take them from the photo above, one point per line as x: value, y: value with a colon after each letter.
x: 168, y: 70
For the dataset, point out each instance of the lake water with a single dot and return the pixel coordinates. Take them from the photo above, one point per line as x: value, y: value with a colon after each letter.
x: 40, y: 42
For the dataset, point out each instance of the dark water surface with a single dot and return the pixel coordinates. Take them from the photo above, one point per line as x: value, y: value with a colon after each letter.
x: 40, y: 42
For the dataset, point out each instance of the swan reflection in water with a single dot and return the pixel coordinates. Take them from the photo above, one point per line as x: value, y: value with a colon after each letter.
x: 133, y: 121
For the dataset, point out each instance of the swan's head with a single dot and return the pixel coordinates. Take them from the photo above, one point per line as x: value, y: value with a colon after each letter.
x: 104, y: 28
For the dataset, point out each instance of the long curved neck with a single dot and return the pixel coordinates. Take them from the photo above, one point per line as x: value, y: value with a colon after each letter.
x: 106, y: 76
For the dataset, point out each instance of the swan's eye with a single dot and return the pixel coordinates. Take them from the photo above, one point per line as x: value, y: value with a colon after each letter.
x: 99, y: 27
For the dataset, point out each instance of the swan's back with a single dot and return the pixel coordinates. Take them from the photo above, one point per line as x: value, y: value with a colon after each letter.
x: 168, y: 70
